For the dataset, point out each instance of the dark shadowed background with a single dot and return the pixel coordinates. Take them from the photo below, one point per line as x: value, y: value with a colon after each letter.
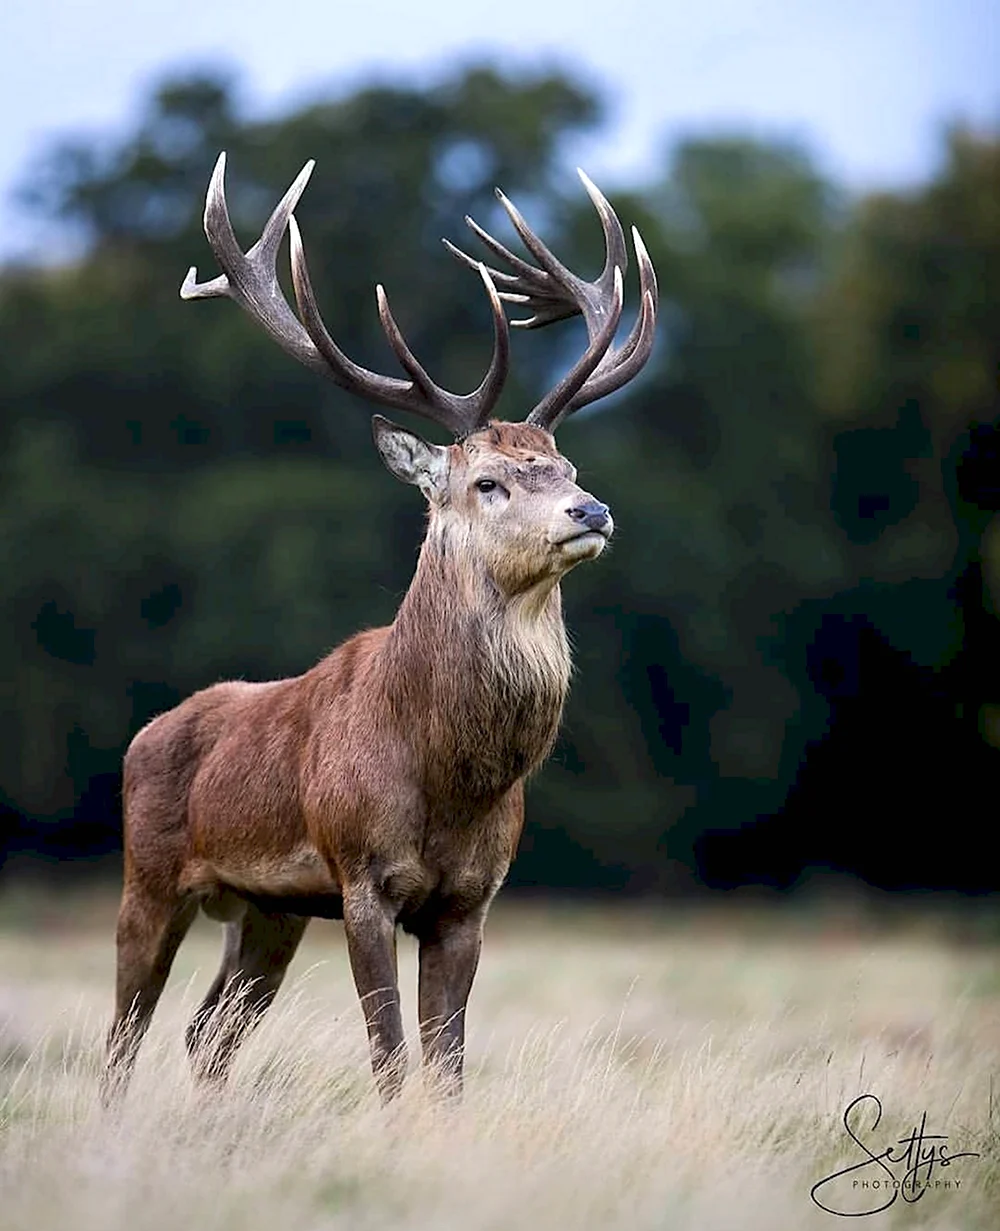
x: 789, y: 662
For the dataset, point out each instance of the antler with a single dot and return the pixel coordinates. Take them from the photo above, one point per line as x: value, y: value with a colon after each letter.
x: 553, y: 293
x: 250, y: 279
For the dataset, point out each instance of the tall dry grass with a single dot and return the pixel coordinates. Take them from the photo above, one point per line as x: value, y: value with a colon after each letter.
x: 626, y: 1070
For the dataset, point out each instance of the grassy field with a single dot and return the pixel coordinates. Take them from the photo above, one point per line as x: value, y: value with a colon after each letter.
x: 626, y: 1070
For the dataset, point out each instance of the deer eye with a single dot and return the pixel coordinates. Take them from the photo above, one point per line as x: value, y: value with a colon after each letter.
x: 486, y: 485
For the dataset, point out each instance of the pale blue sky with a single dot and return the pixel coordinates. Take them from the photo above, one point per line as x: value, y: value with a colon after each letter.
x: 866, y: 84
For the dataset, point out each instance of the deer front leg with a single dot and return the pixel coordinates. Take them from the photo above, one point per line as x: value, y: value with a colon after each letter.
x: 449, y: 955
x: 370, y: 924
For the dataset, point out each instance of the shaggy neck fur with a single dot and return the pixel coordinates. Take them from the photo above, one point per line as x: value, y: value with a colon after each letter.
x: 476, y: 680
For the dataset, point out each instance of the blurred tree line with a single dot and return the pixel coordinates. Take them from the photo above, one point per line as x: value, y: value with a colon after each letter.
x: 788, y: 661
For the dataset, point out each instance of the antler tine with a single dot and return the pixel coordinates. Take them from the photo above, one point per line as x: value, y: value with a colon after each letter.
x: 619, y: 366
x: 251, y: 280
x: 614, y: 236
x: 478, y: 403
x: 277, y: 224
x: 554, y: 293
x: 459, y: 413
x: 218, y: 227
x: 407, y: 360
x: 521, y: 268
x: 550, y: 263
x: 548, y: 306
x: 553, y: 407
x: 589, y: 298
x: 341, y: 369
x: 486, y: 396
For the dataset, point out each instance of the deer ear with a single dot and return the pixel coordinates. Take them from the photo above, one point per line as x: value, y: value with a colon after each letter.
x: 411, y: 458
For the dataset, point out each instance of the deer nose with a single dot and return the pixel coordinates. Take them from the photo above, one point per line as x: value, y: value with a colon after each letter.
x: 591, y: 514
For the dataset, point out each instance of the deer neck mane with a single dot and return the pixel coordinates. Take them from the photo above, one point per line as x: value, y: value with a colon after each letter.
x: 484, y: 675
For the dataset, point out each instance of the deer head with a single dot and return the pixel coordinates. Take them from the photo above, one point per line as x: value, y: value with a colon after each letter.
x: 505, y: 498
x: 502, y: 490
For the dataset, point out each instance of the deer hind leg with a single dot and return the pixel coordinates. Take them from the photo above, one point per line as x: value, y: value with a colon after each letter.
x: 257, y: 952
x: 150, y: 930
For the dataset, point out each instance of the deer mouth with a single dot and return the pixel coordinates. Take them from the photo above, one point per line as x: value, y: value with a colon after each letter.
x: 587, y: 544
x: 588, y: 532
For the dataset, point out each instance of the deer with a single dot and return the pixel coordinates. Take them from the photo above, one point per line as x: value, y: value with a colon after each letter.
x: 384, y: 786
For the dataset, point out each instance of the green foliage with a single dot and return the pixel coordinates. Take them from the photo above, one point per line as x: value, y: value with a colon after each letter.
x: 910, y: 351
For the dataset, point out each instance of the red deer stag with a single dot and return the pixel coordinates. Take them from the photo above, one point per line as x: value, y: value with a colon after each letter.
x: 385, y: 786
